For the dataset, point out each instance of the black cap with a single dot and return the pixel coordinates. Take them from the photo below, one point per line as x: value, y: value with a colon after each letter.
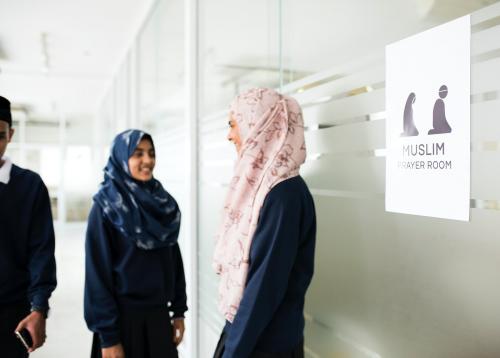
x: 5, y: 114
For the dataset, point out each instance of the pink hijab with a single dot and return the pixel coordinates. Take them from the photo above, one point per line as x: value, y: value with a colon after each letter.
x: 273, y: 149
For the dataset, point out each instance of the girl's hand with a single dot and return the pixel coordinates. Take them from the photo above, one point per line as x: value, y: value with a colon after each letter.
x: 178, y: 325
x: 115, y: 351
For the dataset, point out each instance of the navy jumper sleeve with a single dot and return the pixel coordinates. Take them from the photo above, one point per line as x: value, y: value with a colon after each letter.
x: 41, y: 245
x: 101, y: 309
x: 273, y: 252
x: 179, y: 305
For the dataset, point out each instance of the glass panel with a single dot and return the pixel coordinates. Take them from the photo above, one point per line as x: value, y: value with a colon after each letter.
x: 239, y: 49
x: 106, y: 130
x: 385, y: 285
x: 161, y: 67
x: 161, y: 111
x: 392, y: 285
x: 321, y: 34
x: 77, y: 188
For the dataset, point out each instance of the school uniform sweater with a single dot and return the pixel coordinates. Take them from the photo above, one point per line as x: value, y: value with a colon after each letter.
x: 27, y: 264
x: 270, y: 316
x: 120, y: 276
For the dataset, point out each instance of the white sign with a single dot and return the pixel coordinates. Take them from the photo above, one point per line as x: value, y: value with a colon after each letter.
x: 428, y: 123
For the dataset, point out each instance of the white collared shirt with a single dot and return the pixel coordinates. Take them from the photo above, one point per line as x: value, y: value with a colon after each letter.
x: 5, y: 170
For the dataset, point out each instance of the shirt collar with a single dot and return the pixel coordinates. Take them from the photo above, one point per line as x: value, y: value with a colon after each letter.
x: 5, y: 171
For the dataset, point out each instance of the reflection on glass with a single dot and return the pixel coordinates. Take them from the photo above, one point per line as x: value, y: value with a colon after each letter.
x: 161, y: 67
x: 239, y: 49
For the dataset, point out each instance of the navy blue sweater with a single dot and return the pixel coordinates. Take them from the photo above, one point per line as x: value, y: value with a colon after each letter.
x: 27, y: 264
x: 120, y: 276
x: 270, y: 316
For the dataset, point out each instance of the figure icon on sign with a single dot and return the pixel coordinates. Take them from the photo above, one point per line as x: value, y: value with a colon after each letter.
x: 409, y: 128
x: 439, y: 121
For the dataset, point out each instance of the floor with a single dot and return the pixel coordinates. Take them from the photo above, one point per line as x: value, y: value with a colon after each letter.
x: 67, y: 333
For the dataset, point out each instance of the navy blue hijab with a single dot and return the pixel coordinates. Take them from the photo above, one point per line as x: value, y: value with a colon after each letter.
x: 141, y: 211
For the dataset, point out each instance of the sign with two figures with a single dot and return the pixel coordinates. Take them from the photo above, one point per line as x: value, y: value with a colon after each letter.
x: 428, y: 123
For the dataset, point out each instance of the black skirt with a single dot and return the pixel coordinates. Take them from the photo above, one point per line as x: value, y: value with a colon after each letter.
x: 297, y: 352
x: 144, y: 334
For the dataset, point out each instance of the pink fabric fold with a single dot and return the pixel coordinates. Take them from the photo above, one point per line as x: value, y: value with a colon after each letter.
x: 273, y: 149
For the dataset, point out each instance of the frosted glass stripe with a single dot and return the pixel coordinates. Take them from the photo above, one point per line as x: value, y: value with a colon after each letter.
x: 485, y: 14
x: 344, y: 85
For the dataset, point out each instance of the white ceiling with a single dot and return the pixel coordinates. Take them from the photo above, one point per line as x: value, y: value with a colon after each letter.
x: 85, y: 42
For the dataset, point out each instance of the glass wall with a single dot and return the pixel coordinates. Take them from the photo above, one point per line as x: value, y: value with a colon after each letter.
x: 161, y: 100
x: 238, y: 49
x: 161, y: 67
x: 385, y: 285
x: 320, y: 35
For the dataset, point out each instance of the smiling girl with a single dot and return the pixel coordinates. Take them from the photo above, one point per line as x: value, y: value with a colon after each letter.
x: 135, y: 290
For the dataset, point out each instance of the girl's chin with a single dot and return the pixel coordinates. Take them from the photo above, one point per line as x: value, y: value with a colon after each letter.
x: 144, y: 177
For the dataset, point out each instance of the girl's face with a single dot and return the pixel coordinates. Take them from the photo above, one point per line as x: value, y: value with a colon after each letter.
x: 142, y: 161
x: 234, y: 133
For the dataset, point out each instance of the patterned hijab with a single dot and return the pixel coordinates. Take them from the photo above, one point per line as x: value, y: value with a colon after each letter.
x: 142, y: 211
x: 273, y: 149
